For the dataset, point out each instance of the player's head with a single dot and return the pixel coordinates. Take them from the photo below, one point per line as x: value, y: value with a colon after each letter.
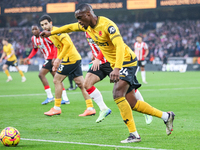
x: 139, y: 38
x: 84, y: 14
x: 5, y: 41
x: 35, y: 30
x: 46, y: 22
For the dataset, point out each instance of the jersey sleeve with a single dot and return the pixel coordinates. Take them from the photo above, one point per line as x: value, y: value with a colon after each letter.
x: 113, y: 32
x: 74, y: 27
x: 66, y: 45
x: 11, y: 47
x: 146, y: 46
x: 33, y: 52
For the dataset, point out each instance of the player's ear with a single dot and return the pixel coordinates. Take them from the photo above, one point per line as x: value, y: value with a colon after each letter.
x: 51, y: 23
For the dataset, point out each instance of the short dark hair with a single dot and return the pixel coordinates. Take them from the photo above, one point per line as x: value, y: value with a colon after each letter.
x: 140, y: 35
x: 5, y: 39
x: 45, y: 17
x: 84, y: 7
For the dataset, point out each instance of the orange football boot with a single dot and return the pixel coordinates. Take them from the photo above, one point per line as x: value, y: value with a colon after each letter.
x: 52, y: 112
x: 88, y: 113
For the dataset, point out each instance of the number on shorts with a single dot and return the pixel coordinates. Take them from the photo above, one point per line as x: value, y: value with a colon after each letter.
x: 61, y: 67
x: 124, y: 71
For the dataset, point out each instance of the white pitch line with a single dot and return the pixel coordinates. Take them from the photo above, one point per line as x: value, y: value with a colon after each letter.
x: 91, y: 144
x: 166, y: 89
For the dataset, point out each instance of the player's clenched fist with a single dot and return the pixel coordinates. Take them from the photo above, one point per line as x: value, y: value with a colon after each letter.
x: 114, y: 75
x: 56, y: 64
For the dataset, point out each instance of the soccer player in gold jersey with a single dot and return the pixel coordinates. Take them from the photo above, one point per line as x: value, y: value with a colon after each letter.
x: 11, y: 58
x: 68, y: 62
x: 123, y: 60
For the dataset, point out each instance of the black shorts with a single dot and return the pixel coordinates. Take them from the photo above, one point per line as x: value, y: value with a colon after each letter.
x: 48, y: 65
x: 74, y: 70
x: 141, y: 63
x: 128, y: 74
x: 104, y: 70
x: 12, y: 63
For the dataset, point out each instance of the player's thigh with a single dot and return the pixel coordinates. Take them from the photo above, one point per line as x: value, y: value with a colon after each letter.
x: 120, y: 88
x: 58, y: 78
x: 5, y: 66
x: 43, y: 72
x: 91, y: 79
x: 79, y: 80
x: 53, y: 73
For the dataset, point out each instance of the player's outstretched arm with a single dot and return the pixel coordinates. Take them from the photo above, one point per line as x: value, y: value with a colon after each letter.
x: 74, y: 27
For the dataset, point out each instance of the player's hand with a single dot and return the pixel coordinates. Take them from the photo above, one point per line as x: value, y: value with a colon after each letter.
x: 95, y: 64
x: 56, y: 64
x: 45, y: 33
x: 26, y: 60
x: 114, y: 75
x: 0, y: 60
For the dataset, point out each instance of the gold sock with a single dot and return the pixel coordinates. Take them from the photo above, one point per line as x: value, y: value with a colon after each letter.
x: 21, y: 73
x: 89, y: 103
x: 144, y: 107
x: 7, y: 72
x: 57, y: 102
x: 126, y: 113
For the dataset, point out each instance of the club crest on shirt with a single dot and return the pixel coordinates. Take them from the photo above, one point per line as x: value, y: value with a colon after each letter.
x: 111, y: 30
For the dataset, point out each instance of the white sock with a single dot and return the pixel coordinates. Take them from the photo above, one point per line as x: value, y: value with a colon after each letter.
x: 97, y: 97
x: 136, y: 134
x: 56, y: 108
x: 143, y: 74
x: 165, y: 116
x: 90, y: 108
x: 49, y: 94
x: 9, y: 77
x: 138, y: 95
x: 64, y: 95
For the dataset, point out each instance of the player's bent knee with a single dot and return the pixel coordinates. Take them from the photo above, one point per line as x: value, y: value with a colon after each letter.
x: 4, y: 67
x: 86, y: 85
x: 40, y: 76
x: 117, y: 94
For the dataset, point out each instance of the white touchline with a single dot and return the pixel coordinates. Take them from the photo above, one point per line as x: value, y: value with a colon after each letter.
x: 91, y: 144
x: 166, y: 89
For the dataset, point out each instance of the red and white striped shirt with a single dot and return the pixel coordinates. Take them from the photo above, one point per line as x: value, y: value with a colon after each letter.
x: 45, y: 45
x: 95, y: 49
x: 139, y: 49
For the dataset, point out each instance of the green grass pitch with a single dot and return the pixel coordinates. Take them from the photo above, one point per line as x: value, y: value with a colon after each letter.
x: 20, y: 107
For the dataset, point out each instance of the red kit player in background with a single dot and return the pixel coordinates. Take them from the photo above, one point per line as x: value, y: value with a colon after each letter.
x: 49, y: 52
x: 141, y: 50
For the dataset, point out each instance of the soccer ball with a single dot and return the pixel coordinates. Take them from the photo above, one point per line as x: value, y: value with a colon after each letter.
x: 10, y: 136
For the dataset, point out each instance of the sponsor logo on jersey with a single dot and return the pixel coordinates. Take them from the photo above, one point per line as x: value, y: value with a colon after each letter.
x: 111, y: 30
x: 102, y: 43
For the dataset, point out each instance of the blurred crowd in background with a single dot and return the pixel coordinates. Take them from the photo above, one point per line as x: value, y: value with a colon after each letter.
x: 169, y: 38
